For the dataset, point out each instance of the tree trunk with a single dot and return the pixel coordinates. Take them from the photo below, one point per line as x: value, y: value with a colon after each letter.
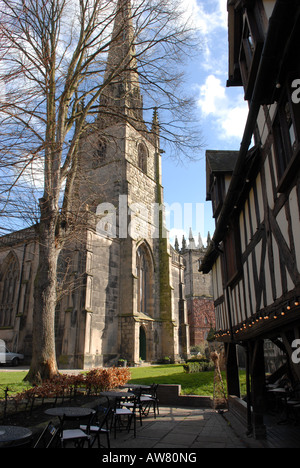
x: 43, y: 365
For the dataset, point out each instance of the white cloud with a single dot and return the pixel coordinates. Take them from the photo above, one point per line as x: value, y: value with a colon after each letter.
x: 229, y: 113
x: 33, y: 174
x: 211, y: 94
x: 224, y: 108
x: 208, y: 15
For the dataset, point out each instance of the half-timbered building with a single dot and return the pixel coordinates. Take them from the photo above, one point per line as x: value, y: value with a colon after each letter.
x: 254, y: 255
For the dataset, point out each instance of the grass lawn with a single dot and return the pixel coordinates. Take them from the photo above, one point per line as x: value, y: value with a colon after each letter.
x: 201, y: 383
x: 14, y: 381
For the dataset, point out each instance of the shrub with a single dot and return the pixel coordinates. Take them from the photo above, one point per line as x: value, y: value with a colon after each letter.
x: 200, y: 359
x: 198, y: 365
x: 106, y: 379
x: 191, y: 367
x: 94, y: 381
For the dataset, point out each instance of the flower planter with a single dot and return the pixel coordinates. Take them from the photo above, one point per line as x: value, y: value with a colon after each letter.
x: 122, y: 363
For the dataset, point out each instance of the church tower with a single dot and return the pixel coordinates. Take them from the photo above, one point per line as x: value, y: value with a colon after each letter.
x: 128, y: 306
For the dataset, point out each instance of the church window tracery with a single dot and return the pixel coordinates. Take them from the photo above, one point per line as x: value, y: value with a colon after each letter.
x: 142, y: 158
x: 143, y: 273
x: 8, y: 291
x: 100, y: 153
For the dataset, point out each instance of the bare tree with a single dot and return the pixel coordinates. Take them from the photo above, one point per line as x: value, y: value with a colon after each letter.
x: 54, y: 72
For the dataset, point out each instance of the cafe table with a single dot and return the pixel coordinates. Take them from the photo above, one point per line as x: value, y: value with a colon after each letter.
x: 13, y: 436
x: 116, y: 394
x: 69, y: 411
x: 136, y: 386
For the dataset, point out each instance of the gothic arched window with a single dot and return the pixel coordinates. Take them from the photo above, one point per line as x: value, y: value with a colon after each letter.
x: 8, y: 290
x: 99, y: 152
x: 142, y: 157
x: 144, y: 273
x: 143, y: 280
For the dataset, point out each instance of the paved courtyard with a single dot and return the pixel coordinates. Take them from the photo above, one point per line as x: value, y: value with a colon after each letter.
x: 184, y: 428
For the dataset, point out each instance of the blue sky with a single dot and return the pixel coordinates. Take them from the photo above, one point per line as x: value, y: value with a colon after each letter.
x: 221, y: 114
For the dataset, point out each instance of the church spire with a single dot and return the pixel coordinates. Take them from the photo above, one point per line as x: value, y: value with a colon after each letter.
x: 121, y: 55
x: 122, y: 91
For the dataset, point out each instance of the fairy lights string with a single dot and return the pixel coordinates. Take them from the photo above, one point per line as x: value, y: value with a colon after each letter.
x: 259, y: 318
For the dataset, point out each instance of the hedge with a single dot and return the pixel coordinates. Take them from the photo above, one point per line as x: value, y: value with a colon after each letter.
x: 200, y: 365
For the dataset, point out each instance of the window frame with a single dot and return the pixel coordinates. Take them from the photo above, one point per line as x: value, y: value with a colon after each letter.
x: 232, y: 258
x: 100, y: 152
x: 9, y: 290
x: 142, y: 158
x: 142, y: 274
x: 249, y: 55
x: 286, y: 153
x: 218, y: 193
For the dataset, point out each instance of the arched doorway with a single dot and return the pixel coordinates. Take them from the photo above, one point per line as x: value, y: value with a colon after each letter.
x: 143, y: 344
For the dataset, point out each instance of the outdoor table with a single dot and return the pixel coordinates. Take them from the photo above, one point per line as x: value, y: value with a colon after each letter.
x: 12, y: 436
x: 116, y: 394
x: 69, y: 411
x: 278, y: 390
x: 136, y: 386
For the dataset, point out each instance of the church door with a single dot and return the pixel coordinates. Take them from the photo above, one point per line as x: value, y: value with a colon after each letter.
x: 143, y: 344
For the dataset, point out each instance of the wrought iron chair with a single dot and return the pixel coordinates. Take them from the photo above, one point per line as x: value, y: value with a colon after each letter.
x: 123, y: 409
x: 70, y: 432
x: 134, y: 403
x: 99, y: 426
x: 150, y: 399
x: 48, y: 438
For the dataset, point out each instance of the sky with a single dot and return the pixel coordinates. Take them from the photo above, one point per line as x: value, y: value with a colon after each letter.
x: 221, y: 115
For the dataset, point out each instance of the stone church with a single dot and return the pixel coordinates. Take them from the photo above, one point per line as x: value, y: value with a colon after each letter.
x: 121, y: 286
x: 198, y: 291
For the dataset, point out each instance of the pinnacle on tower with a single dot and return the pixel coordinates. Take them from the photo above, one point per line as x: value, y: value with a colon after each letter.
x: 183, y: 243
x: 200, y: 242
x: 208, y: 239
x: 192, y: 244
x: 155, y: 130
x: 155, y: 122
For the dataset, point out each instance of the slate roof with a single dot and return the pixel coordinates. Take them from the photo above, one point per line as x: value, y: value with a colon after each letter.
x: 221, y: 161
x: 218, y: 162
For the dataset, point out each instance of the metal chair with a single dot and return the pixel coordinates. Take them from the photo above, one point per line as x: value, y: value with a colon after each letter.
x: 70, y: 432
x: 135, y: 403
x: 151, y: 399
x: 122, y: 409
x: 99, y: 426
x: 48, y: 438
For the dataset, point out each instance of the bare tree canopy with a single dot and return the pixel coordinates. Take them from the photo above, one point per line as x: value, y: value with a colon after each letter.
x: 56, y: 65
x: 53, y: 60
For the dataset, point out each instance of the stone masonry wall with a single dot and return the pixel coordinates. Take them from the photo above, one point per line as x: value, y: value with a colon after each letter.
x: 201, y: 318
